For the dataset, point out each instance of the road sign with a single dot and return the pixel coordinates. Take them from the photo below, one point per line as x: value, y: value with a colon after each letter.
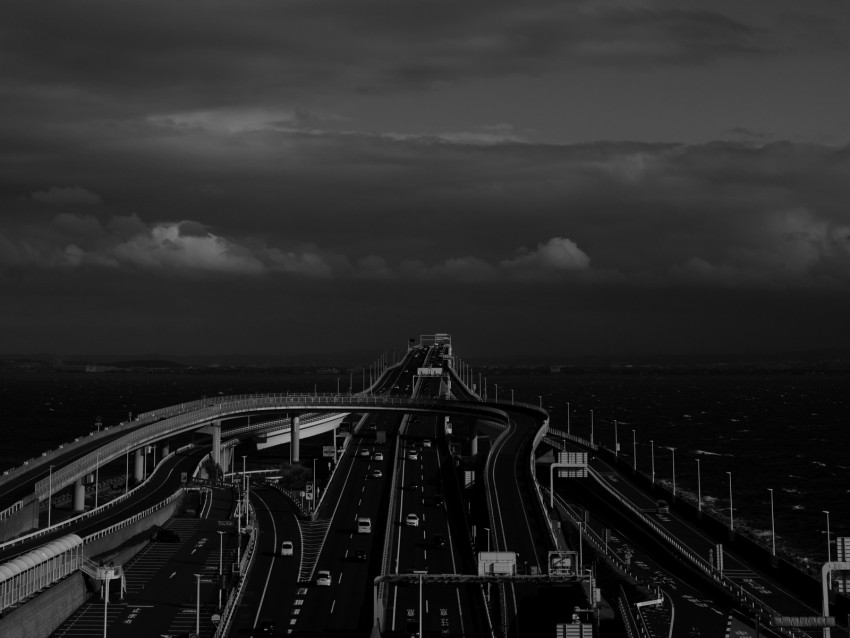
x: 328, y: 451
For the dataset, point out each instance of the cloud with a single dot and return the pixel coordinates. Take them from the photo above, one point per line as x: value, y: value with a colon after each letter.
x: 58, y: 195
x: 556, y: 255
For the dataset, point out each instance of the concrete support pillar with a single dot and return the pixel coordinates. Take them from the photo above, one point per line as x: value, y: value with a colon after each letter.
x: 79, y: 496
x: 216, y: 436
x: 296, y: 439
x: 165, y: 450
x: 473, y: 437
x: 139, y: 467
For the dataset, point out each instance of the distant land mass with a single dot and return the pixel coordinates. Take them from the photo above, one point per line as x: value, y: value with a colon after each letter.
x: 819, y: 358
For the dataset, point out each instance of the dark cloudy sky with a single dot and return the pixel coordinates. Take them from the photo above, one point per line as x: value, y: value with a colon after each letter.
x: 545, y: 176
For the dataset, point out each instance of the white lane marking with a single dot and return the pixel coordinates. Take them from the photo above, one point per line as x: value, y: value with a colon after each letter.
x: 333, y: 604
x: 340, y: 579
x: 173, y: 574
x: 271, y: 563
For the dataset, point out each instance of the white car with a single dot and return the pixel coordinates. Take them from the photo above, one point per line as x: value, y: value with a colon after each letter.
x: 364, y: 525
x: 286, y: 548
x: 378, y: 456
x: 426, y: 443
x: 364, y: 452
x: 413, y: 455
x: 412, y: 520
x: 323, y: 578
x: 376, y: 474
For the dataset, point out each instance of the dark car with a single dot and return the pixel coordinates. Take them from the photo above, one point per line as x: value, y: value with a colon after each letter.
x: 438, y: 540
x: 359, y: 555
x: 166, y: 536
x: 266, y: 627
x: 438, y: 499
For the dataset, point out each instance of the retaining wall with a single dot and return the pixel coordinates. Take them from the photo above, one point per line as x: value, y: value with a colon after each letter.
x: 42, y: 615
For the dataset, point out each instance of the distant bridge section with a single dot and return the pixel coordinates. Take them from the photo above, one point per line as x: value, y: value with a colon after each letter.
x: 239, y: 405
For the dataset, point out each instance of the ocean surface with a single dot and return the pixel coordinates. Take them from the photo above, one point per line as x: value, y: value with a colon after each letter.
x: 780, y: 429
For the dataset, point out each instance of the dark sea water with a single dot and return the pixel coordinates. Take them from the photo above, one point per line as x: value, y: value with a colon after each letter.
x: 785, y: 430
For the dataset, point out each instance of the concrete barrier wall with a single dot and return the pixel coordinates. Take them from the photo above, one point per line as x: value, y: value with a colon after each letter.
x: 112, y: 541
x: 20, y: 522
x: 42, y: 615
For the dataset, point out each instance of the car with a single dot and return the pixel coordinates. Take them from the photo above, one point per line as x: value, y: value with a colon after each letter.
x: 286, y: 548
x: 378, y: 456
x: 413, y: 485
x: 412, y: 520
x: 358, y: 555
x: 426, y: 443
x: 364, y: 525
x: 662, y: 507
x: 323, y: 578
x: 438, y: 540
x: 373, y: 427
x: 376, y: 474
x: 413, y: 455
x: 166, y: 536
x: 438, y: 499
x: 365, y: 453
x: 266, y: 627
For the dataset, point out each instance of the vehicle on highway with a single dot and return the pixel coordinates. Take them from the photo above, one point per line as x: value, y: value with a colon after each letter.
x: 426, y: 443
x: 364, y: 525
x: 412, y: 520
x: 323, y: 578
x: 376, y: 474
x: 411, y: 629
x: 438, y: 540
x: 165, y: 536
x: 378, y: 456
x: 286, y: 548
x: 413, y: 485
x: 413, y: 455
x: 662, y: 507
x: 359, y: 555
x: 365, y: 453
x: 438, y: 499
x: 266, y: 627
x: 373, y: 427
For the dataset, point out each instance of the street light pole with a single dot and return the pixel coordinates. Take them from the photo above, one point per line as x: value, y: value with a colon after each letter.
x: 772, y: 523
x: 652, y: 453
x: 634, y: 451
x: 244, y: 490
x: 731, y: 510
x: 497, y: 392
x: 568, y: 418
x: 96, y: 476
x: 616, y: 440
x: 512, y: 396
x: 313, y: 504
x: 828, y: 544
x: 674, y: 471
x: 221, y: 552
x: 591, y: 428
x: 198, y: 607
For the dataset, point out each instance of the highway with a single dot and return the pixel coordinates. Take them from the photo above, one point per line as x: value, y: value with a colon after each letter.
x: 395, y: 506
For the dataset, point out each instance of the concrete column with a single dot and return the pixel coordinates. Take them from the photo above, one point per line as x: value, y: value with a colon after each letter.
x: 296, y: 439
x: 165, y: 450
x: 473, y: 437
x: 139, y: 471
x: 216, y: 436
x: 226, y: 454
x: 79, y: 496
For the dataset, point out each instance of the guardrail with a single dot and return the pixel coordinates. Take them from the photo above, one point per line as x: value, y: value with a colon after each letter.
x: 84, y: 515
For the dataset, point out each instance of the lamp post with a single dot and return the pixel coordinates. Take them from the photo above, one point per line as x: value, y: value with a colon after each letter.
x: 634, y: 451
x: 540, y: 399
x: 731, y: 510
x: 313, y: 504
x: 652, y: 455
x: 198, y: 607
x: 674, y: 471
x: 591, y: 428
x: 512, y: 396
x: 699, y: 489
x: 127, y: 472
x: 497, y: 392
x: 487, y: 529
x: 568, y: 418
x: 49, y: 493
x: 616, y: 440
x: 105, y: 603
x: 772, y: 524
